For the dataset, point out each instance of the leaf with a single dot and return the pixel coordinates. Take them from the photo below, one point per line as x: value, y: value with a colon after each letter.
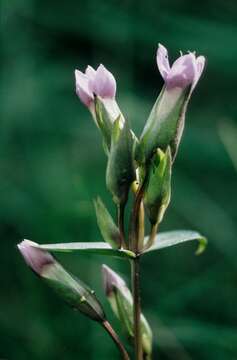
x: 170, y: 238
x: 108, y: 228
x: 99, y: 248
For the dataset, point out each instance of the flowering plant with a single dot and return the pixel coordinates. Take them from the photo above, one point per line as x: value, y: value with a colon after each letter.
x: 141, y: 166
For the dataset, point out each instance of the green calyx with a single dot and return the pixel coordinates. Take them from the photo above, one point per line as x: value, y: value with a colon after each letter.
x: 158, y: 190
x: 120, y: 171
x: 165, y: 124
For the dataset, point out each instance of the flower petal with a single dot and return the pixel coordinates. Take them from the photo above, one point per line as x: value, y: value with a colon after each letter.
x: 183, y: 72
x: 163, y: 61
x: 104, y: 84
x: 82, y: 88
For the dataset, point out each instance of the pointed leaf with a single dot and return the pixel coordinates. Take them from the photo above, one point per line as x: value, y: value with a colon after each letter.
x: 99, y: 248
x: 170, y: 238
x: 108, y: 228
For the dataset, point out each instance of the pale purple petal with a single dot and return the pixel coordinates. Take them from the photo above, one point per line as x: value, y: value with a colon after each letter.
x: 90, y: 73
x: 163, y: 61
x: 35, y: 257
x: 183, y: 72
x: 103, y: 84
x: 200, y: 63
x: 82, y: 88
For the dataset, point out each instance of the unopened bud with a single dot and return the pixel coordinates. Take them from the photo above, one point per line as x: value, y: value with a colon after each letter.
x: 76, y: 294
x: 121, y: 302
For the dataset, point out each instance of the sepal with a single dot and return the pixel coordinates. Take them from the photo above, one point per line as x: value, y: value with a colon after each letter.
x: 120, y: 171
x: 158, y: 191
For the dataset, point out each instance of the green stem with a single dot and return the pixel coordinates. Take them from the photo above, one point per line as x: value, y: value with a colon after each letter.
x: 116, y: 340
x: 137, y: 308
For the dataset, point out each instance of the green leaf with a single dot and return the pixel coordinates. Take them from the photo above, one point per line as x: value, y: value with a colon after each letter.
x: 99, y: 248
x: 108, y: 228
x: 170, y: 238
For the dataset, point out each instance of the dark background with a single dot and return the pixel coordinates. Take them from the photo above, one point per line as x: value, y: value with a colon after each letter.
x: 52, y: 166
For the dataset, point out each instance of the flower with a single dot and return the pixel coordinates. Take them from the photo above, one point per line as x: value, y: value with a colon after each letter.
x: 34, y: 257
x: 186, y: 70
x: 99, y: 82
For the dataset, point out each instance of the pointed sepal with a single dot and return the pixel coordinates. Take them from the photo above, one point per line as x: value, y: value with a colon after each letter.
x: 158, y: 191
x: 120, y: 171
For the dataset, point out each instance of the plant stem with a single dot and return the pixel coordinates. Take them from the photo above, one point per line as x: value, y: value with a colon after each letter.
x: 136, y: 307
x: 121, y: 208
x: 114, y: 336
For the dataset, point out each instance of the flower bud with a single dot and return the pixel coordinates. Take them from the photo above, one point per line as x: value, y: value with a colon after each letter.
x: 71, y: 290
x: 120, y: 171
x: 165, y: 124
x: 157, y: 193
x: 96, y: 89
x: 109, y: 230
x: 121, y: 302
x: 98, y: 82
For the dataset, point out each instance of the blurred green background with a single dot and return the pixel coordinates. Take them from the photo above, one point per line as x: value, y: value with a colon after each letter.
x: 52, y: 166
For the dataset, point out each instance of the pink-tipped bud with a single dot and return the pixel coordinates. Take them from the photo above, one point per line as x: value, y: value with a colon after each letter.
x: 111, y: 280
x: 34, y: 257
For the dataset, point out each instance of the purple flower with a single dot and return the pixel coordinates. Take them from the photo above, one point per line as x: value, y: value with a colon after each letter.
x: 186, y: 70
x: 99, y: 82
x: 34, y: 257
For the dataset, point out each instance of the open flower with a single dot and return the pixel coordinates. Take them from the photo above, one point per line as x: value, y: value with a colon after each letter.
x: 186, y: 70
x: 99, y: 82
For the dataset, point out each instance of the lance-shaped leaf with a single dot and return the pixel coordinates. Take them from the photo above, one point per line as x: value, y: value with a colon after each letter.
x: 120, y: 171
x: 121, y: 301
x: 158, y: 190
x: 109, y: 230
x: 171, y: 238
x: 97, y: 248
x: 73, y: 291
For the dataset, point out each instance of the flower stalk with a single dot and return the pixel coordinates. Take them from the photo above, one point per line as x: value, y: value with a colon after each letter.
x: 107, y: 326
